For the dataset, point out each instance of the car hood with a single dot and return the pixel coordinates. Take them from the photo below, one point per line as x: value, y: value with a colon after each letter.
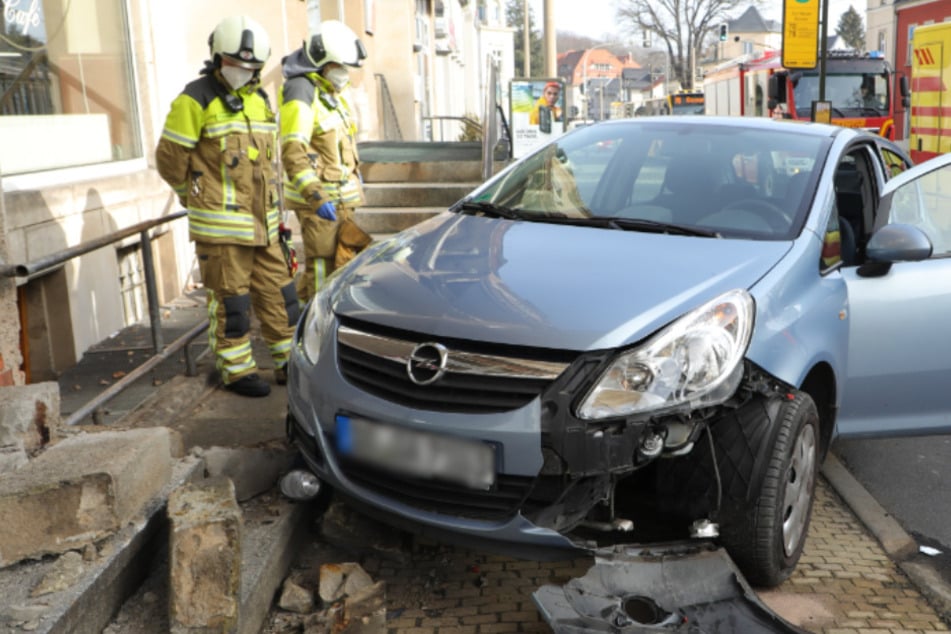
x: 543, y: 285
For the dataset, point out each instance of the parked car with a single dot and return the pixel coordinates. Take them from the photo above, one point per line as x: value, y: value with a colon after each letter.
x: 628, y: 336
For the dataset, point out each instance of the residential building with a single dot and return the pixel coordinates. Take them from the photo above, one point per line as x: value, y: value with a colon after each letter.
x: 84, y: 89
x: 588, y: 75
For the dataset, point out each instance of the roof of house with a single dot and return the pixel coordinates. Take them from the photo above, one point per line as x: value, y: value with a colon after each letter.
x: 752, y: 21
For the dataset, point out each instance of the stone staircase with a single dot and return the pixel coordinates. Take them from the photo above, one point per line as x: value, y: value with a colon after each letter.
x: 406, y: 182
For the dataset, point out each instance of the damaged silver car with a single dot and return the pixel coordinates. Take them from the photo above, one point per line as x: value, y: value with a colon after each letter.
x: 647, y: 331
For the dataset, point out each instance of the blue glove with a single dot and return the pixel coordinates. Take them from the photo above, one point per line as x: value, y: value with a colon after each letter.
x: 327, y: 211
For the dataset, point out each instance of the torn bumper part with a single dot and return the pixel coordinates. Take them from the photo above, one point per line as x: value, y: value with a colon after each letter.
x: 679, y: 587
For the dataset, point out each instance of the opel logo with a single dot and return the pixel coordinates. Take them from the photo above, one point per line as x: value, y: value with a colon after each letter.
x: 427, y: 363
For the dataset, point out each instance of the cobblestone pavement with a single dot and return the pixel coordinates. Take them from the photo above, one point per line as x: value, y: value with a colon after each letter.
x: 844, y: 582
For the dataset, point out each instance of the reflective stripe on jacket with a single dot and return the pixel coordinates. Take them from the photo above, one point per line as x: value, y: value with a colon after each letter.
x: 318, y: 144
x: 219, y: 161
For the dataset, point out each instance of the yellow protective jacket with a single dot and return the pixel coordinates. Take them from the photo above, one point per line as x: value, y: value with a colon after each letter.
x: 220, y: 162
x: 318, y: 139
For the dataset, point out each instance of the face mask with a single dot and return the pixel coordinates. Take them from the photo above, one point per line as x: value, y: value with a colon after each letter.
x: 338, y: 76
x: 236, y: 76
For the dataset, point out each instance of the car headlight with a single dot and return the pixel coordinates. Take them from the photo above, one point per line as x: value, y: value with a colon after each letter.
x: 694, y: 361
x: 317, y: 323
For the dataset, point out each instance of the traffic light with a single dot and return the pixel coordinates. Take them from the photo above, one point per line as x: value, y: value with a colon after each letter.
x: 724, y: 31
x: 646, y: 42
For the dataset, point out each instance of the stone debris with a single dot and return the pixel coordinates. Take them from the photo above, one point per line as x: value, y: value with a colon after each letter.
x: 67, y: 570
x: 351, y: 602
x: 296, y: 599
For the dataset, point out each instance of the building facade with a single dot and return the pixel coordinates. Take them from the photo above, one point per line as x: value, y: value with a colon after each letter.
x: 84, y: 89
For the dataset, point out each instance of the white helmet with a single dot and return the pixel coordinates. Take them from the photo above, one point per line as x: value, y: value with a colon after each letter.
x: 334, y: 41
x: 242, y: 40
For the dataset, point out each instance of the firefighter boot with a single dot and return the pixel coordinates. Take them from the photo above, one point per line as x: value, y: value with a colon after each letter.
x: 250, y: 385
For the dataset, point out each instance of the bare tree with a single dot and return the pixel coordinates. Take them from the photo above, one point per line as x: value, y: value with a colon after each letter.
x: 679, y: 26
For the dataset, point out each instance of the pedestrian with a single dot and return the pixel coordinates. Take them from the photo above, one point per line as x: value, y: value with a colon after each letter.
x: 218, y: 152
x: 319, y: 150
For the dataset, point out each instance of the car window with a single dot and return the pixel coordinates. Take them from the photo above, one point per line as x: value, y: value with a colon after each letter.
x: 926, y: 203
x: 737, y: 182
x: 895, y: 164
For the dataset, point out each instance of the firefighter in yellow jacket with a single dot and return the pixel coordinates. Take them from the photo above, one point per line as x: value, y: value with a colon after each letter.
x: 319, y: 150
x: 218, y: 152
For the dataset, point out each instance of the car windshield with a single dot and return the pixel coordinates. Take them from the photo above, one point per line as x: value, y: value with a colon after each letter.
x: 685, y: 177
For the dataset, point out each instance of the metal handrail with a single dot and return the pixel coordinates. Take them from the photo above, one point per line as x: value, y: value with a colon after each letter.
x: 113, y: 390
x: 41, y: 266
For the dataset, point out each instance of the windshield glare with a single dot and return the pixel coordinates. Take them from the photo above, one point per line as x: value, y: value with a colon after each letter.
x: 740, y: 182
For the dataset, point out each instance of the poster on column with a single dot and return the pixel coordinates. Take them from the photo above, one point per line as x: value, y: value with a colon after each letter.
x: 537, y: 113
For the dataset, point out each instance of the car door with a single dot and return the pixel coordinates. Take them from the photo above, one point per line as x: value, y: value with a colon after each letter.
x: 899, y: 368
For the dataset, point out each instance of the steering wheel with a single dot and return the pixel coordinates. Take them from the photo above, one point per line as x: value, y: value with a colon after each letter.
x: 772, y: 214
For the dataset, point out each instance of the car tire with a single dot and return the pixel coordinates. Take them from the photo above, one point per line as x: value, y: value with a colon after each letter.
x: 766, y: 541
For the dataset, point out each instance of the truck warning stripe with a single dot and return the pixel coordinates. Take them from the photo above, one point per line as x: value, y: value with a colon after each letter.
x: 927, y: 84
x: 924, y: 56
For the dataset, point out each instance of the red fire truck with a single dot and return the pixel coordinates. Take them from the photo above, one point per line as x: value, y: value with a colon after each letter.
x: 862, y: 89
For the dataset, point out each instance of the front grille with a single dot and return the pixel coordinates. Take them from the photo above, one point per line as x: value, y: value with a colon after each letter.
x: 500, y: 502
x: 474, y: 382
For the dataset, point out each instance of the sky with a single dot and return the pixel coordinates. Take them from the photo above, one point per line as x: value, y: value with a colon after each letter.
x: 595, y: 18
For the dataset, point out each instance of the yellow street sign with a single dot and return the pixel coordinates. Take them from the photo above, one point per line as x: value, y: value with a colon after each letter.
x: 800, y: 33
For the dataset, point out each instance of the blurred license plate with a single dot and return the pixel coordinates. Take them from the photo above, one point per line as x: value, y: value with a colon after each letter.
x: 410, y: 452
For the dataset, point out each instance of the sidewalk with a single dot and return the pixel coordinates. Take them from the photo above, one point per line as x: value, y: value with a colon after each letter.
x: 860, y: 572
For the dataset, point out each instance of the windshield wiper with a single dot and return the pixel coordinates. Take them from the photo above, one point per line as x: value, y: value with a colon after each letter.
x: 634, y: 224
x: 653, y: 226
x: 487, y: 209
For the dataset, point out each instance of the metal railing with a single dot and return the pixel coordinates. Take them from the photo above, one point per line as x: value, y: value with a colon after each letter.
x: 44, y: 265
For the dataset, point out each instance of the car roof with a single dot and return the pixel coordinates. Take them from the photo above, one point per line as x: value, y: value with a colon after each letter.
x: 755, y: 123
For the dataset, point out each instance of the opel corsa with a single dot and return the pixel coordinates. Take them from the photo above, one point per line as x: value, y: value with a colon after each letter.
x: 648, y: 330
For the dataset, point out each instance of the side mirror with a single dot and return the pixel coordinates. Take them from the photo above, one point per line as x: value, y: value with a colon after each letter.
x: 899, y: 243
x: 776, y: 87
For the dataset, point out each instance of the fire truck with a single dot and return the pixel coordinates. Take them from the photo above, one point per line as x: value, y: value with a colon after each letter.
x: 930, y: 126
x: 861, y: 89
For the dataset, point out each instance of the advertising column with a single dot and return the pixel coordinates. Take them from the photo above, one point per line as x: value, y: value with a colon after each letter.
x: 537, y: 113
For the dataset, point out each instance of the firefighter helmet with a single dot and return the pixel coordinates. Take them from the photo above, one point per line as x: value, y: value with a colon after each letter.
x: 241, y: 40
x: 334, y: 41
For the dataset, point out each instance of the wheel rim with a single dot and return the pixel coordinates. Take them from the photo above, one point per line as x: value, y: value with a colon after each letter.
x: 797, y: 498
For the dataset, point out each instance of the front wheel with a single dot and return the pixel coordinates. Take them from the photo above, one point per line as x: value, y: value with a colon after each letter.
x: 767, y: 541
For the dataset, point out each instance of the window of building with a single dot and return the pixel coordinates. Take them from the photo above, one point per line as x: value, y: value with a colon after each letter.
x: 881, y: 42
x: 65, y: 73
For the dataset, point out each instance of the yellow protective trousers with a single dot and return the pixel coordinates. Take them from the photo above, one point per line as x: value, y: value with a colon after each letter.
x: 238, y: 277
x: 328, y: 245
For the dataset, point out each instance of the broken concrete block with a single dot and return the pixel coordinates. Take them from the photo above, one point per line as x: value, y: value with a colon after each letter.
x: 204, y: 557
x: 296, y: 599
x: 364, y: 602
x: 29, y: 415
x: 342, y: 580
x: 11, y: 459
x: 65, y: 573
x: 253, y: 470
x: 80, y: 490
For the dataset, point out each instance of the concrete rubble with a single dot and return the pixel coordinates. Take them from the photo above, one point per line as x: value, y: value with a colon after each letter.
x: 91, y: 514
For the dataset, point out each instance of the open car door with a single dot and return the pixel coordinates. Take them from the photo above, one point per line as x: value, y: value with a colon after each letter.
x: 899, y: 367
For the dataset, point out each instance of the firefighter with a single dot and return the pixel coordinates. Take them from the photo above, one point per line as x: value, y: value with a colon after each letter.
x: 319, y: 150
x: 218, y: 152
